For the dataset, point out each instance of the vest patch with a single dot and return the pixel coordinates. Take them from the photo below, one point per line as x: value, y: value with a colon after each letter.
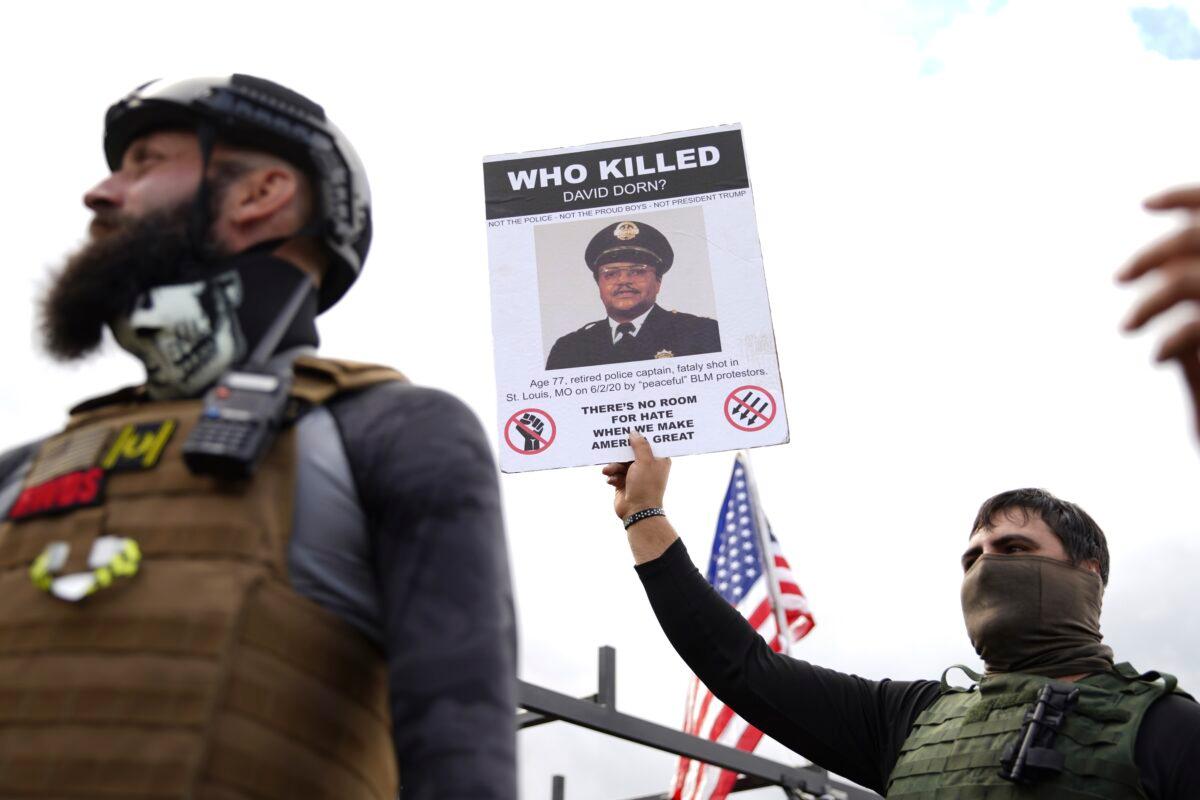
x: 74, y: 450
x: 83, y: 487
x: 111, y: 558
x: 138, y: 447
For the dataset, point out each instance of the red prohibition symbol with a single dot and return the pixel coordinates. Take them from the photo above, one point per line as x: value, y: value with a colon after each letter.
x: 530, y: 431
x: 750, y: 408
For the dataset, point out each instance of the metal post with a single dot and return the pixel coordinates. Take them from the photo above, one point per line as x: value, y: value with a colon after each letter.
x: 606, y: 694
x: 558, y: 788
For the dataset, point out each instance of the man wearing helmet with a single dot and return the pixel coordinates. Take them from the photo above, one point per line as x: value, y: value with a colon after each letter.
x: 183, y: 614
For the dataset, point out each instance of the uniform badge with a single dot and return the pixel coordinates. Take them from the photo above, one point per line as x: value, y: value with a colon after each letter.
x: 626, y: 231
x: 77, y: 489
x: 664, y: 354
x: 138, y: 446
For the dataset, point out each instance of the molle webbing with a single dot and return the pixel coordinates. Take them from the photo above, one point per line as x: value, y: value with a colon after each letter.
x: 955, y: 747
x: 204, y: 675
x: 319, y: 379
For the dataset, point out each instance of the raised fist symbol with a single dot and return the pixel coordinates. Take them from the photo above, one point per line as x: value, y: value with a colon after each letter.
x: 533, y: 423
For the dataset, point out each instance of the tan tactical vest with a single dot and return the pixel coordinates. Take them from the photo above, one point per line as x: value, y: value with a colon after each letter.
x: 189, y: 668
x: 955, y: 747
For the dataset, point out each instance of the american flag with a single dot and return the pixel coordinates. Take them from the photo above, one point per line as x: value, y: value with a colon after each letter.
x: 737, y: 570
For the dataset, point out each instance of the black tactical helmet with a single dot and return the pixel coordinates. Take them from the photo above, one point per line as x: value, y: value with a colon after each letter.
x: 249, y: 111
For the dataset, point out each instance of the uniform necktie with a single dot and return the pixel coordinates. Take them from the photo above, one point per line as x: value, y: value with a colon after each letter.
x: 624, y: 334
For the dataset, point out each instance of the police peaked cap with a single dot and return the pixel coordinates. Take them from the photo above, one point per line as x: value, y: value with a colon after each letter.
x: 250, y: 111
x: 630, y: 242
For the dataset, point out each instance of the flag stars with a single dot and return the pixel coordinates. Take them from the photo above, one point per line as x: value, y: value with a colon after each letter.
x: 736, y: 565
x: 739, y: 569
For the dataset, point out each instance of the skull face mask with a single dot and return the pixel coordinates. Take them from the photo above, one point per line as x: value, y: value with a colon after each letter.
x: 186, y: 334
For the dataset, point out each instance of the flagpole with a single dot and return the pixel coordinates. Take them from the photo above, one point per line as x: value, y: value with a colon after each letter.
x: 764, y: 544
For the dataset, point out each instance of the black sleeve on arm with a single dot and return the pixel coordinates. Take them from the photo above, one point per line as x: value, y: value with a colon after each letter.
x: 849, y: 725
x: 427, y: 483
x: 1167, y: 751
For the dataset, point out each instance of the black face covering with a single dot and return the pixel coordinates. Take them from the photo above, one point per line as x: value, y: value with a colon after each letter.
x: 187, y: 317
x: 1034, y: 615
x: 188, y: 334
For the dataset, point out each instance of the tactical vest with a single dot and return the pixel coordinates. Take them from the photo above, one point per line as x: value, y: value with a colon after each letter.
x: 187, y: 667
x: 955, y: 747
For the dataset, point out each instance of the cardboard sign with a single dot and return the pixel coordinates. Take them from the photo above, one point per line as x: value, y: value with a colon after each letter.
x: 628, y: 291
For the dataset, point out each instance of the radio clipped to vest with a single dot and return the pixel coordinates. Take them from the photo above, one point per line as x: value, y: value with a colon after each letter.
x: 1032, y: 756
x: 246, y: 408
x: 241, y: 417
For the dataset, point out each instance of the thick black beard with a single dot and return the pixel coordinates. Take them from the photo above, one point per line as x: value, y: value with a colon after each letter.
x: 104, y: 278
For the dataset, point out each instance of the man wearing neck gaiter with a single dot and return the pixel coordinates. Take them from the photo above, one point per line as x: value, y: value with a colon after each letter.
x: 1034, y: 572
x: 249, y: 576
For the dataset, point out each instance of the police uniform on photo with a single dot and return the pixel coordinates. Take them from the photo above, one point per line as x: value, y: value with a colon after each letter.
x: 656, y: 332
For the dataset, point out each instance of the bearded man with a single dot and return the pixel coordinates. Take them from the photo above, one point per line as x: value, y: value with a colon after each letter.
x: 248, y: 577
x: 1052, y: 717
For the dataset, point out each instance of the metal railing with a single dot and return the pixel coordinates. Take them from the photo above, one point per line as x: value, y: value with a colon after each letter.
x: 598, y: 712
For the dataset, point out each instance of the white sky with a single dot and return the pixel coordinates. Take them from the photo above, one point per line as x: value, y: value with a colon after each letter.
x: 943, y: 191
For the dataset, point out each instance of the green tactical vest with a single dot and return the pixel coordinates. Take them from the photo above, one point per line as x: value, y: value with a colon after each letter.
x: 955, y: 746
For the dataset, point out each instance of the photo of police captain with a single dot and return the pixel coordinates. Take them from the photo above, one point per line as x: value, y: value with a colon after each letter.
x: 628, y: 260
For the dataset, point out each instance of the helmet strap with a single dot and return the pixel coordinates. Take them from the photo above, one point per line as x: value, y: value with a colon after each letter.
x: 200, y: 219
x: 315, y: 227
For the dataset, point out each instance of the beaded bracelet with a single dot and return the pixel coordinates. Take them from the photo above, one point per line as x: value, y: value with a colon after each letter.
x: 643, y: 514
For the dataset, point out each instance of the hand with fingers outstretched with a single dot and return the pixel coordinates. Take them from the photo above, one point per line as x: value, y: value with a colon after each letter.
x: 1176, y: 260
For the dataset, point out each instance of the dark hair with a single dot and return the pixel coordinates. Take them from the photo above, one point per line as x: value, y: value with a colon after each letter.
x: 222, y: 173
x: 1081, y: 536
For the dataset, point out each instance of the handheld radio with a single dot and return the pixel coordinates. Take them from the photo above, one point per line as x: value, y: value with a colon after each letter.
x: 246, y: 408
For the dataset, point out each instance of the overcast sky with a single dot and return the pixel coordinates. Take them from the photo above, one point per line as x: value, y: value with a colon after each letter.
x: 944, y: 190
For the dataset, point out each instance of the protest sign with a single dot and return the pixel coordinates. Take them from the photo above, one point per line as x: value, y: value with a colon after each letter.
x: 628, y: 291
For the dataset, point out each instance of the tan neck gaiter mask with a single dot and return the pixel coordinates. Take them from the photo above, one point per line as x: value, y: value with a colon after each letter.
x: 1035, y: 615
